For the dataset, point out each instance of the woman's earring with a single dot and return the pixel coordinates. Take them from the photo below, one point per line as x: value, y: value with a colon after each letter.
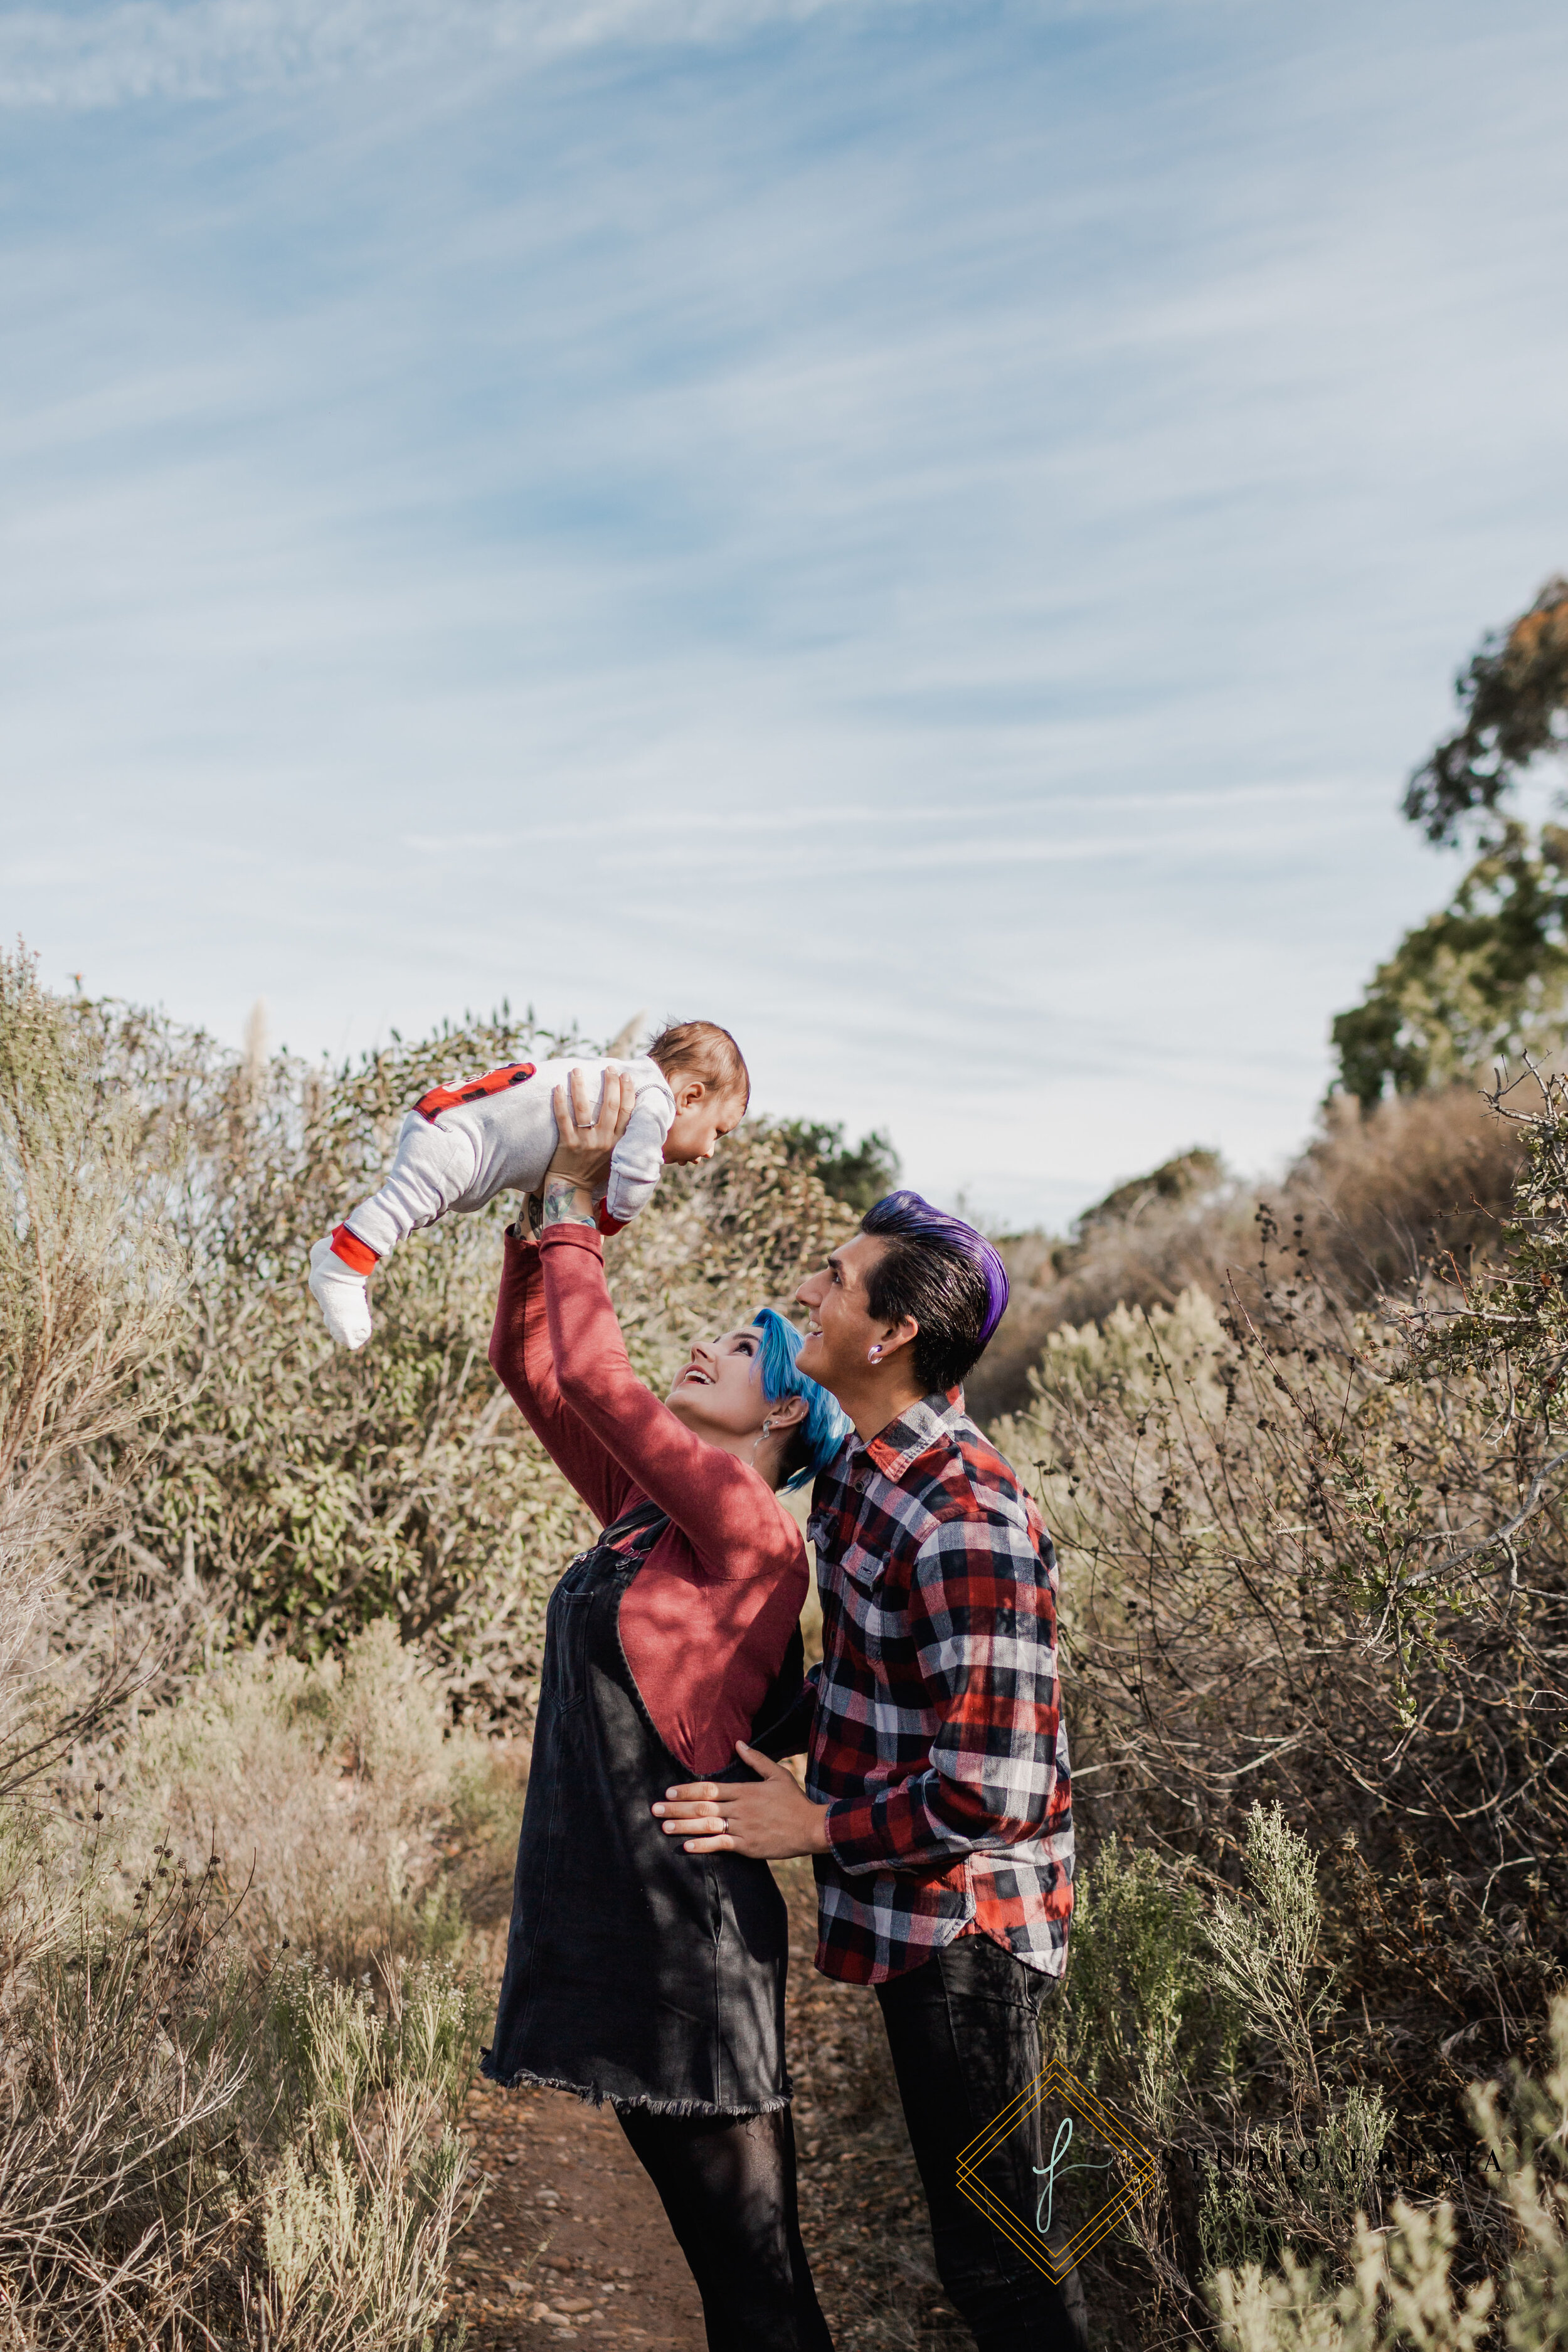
x: 877, y: 1353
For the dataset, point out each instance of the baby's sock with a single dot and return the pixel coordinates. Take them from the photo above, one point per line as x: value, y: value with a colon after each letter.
x: 340, y: 1289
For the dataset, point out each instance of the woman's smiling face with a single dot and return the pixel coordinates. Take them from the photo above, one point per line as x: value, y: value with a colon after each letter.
x: 720, y: 1389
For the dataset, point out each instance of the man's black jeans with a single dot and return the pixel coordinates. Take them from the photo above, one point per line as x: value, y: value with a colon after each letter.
x: 964, y: 2031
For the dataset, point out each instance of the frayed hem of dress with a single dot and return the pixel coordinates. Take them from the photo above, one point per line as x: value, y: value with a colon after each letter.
x: 525, y: 2079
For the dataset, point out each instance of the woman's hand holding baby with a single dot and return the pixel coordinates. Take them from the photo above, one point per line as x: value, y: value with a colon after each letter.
x: 586, y: 1137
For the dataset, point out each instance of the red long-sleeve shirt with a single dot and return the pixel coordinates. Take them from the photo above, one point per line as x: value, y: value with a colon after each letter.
x: 705, y: 1622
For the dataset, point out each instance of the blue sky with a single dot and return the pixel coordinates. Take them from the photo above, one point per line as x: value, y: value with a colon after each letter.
x: 931, y: 534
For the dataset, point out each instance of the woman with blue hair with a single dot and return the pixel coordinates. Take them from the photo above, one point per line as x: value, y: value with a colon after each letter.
x: 824, y: 1426
x: 635, y: 1973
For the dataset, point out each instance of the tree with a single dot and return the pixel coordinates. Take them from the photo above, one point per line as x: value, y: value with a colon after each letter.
x: 858, y: 1176
x: 1514, y: 696
x: 1486, y: 977
x: 1488, y: 974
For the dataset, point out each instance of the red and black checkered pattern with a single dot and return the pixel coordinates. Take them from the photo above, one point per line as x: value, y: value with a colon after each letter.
x: 938, y: 1742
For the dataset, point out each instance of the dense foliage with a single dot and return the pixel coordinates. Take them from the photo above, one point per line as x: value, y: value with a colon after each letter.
x: 1514, y: 696
x: 1315, y: 1574
x: 856, y: 1174
x: 1486, y: 977
x: 1482, y: 981
x: 306, y: 1491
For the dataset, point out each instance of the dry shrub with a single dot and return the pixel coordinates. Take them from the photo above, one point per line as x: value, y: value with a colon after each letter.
x: 1280, y: 1551
x: 338, y: 1797
x: 1401, y: 2290
x: 194, y: 2150
x: 88, y: 1299
x: 368, y: 2178
x: 123, y: 2062
x: 1157, y: 1240
x: 193, y: 2147
x: 1378, y: 1194
x: 1382, y: 1195
x: 1315, y: 1574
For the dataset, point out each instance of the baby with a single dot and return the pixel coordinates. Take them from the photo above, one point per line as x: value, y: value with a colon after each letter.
x: 459, y: 1146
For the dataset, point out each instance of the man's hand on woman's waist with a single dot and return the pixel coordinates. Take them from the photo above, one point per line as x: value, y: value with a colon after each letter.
x: 767, y: 1819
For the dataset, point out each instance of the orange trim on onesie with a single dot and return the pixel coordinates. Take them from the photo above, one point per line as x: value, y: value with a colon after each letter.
x: 356, y: 1254
x: 440, y: 1099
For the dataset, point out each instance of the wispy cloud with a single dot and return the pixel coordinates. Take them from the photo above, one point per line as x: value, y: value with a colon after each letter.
x: 105, y: 56
x: 932, y: 534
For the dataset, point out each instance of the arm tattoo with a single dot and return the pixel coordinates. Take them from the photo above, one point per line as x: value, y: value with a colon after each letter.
x: 562, y: 1198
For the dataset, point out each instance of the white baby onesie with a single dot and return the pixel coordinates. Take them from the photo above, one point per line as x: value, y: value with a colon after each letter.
x: 462, y: 1144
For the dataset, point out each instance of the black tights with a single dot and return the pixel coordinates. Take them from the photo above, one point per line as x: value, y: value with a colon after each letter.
x: 727, y: 2183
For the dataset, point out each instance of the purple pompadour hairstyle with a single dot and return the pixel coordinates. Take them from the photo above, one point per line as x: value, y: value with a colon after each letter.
x: 905, y: 1216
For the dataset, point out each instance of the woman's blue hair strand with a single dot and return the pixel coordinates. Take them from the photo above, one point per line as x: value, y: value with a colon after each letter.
x: 826, y: 1424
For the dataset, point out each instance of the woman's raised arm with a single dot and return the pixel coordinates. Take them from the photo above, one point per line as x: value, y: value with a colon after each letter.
x: 521, y: 1355
x: 733, y: 1521
x: 730, y: 1517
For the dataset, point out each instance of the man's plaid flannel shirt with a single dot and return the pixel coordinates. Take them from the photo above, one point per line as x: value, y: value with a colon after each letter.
x: 938, y: 1742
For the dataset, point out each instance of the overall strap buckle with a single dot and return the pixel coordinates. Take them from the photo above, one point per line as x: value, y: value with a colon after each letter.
x: 645, y: 1519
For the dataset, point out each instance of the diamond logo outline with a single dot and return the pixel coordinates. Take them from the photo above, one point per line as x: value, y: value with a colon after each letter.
x: 1056, y: 2261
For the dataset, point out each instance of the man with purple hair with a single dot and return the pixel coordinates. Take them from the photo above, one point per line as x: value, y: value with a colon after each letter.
x: 938, y: 1797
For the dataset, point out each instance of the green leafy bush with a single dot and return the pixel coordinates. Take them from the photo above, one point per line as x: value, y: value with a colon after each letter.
x: 856, y: 1174
x: 1139, y: 2016
x: 305, y: 1492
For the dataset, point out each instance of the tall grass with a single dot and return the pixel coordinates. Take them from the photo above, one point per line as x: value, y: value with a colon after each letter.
x: 89, y: 1294
x: 194, y: 2149
x: 339, y: 1798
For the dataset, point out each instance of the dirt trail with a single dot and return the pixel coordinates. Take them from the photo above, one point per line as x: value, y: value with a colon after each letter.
x: 571, y: 2244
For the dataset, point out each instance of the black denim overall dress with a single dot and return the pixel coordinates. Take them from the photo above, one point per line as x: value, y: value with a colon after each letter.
x: 635, y: 1972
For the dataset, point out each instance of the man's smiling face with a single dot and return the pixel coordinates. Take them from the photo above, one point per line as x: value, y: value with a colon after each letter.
x: 840, y: 1333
